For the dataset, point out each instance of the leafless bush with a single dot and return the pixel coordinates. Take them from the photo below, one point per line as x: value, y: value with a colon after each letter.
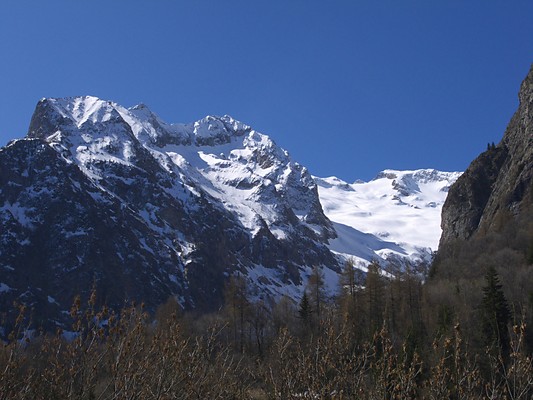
x: 126, y: 355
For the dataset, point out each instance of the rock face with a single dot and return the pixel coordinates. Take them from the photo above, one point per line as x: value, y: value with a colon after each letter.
x: 496, y: 189
x: 102, y: 196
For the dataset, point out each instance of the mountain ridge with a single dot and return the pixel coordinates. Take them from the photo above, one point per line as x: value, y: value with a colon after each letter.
x: 145, y: 210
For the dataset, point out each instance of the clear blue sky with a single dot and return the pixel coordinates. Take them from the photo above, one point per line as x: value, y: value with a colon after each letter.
x: 347, y: 87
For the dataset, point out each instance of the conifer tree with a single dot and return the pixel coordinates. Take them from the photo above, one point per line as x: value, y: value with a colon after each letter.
x: 495, y: 314
x: 304, y: 310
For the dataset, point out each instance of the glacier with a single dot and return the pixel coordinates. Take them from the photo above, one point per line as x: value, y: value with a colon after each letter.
x: 394, y: 217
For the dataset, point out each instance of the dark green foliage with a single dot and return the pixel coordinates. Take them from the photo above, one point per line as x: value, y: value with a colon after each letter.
x: 304, y: 310
x: 495, y: 314
x: 491, y: 146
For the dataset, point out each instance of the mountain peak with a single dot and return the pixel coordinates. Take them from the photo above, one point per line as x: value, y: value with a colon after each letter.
x: 169, y: 209
x: 213, y: 130
x: 83, y: 108
x: 70, y: 113
x: 140, y: 106
x: 66, y: 114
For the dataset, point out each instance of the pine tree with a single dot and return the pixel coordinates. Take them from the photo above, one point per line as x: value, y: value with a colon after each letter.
x: 495, y: 314
x: 304, y: 310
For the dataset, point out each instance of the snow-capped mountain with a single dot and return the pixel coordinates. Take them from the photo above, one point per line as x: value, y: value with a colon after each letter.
x: 101, y: 195
x: 393, y: 218
x: 98, y: 195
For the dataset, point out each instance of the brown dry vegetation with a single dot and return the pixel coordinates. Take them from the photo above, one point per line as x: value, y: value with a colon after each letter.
x: 390, y: 340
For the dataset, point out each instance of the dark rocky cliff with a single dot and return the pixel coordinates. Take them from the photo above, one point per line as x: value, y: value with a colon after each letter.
x: 495, y: 194
x: 496, y: 189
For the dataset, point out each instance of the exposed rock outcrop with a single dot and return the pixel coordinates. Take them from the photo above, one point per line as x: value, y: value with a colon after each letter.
x: 495, y: 193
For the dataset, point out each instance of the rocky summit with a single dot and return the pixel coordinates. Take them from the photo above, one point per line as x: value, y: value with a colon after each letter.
x: 100, y: 196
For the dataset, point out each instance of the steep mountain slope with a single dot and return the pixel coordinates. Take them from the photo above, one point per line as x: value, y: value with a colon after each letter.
x: 102, y: 196
x: 115, y: 198
x: 490, y: 208
x: 394, y: 218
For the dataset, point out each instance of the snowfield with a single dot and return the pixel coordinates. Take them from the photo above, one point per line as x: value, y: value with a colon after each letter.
x: 395, y: 215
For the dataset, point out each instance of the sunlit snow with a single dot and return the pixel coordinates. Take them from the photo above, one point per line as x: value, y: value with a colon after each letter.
x: 395, y: 216
x: 398, y: 213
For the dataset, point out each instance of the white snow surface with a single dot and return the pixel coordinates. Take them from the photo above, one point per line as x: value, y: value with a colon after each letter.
x: 396, y: 214
x: 242, y: 168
